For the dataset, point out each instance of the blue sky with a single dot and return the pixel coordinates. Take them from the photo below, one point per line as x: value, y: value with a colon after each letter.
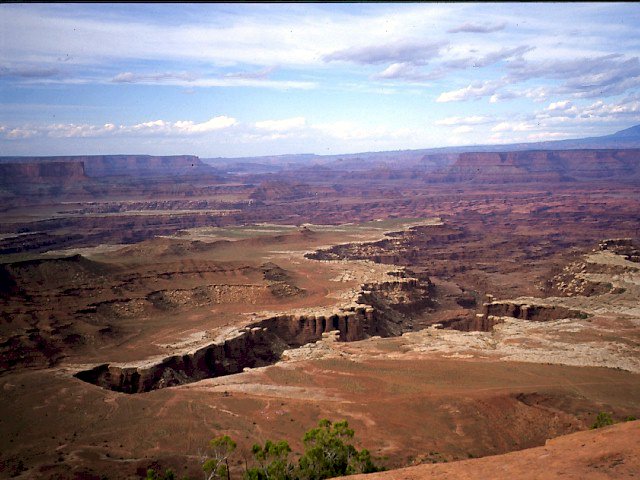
x: 248, y: 79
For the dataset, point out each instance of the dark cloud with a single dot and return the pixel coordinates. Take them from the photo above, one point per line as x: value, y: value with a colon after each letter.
x: 29, y: 72
x: 477, y: 28
x: 413, y: 53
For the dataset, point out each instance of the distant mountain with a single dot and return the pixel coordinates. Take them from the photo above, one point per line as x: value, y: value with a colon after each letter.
x: 428, y: 158
x: 422, y: 160
x: 627, y: 138
x: 632, y: 132
x: 44, y: 173
x: 123, y: 165
x: 542, y: 166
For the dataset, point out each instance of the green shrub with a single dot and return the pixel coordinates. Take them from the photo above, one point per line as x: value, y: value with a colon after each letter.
x: 273, y: 462
x: 153, y: 475
x: 327, y: 454
x: 602, y: 420
x: 217, y: 464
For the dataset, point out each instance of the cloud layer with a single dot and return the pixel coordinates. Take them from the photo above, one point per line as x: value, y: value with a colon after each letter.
x: 263, y: 77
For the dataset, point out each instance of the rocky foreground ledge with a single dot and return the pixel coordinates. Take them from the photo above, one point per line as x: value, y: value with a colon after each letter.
x: 610, y: 452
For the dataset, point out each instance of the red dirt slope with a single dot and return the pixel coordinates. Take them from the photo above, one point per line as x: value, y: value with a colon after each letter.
x: 611, y: 452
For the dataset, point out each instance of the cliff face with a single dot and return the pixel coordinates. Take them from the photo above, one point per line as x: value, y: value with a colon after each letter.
x: 131, y: 165
x: 279, y: 190
x: 254, y: 346
x: 536, y: 313
x: 543, y: 165
x: 50, y: 173
x: 142, y: 165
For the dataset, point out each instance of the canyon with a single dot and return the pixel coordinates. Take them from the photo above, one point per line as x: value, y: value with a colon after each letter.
x: 448, y: 304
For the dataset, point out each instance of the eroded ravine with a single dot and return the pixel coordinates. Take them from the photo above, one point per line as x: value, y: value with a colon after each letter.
x: 381, y: 308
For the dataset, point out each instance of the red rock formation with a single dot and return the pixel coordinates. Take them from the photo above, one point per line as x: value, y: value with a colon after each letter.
x: 538, y: 313
x: 134, y: 165
x: 107, y: 165
x: 542, y: 166
x: 280, y: 190
x: 257, y: 345
x: 49, y: 173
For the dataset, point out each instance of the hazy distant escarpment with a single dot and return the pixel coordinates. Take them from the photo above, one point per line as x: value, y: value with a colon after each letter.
x: 116, y: 165
x: 543, y: 165
x: 54, y: 172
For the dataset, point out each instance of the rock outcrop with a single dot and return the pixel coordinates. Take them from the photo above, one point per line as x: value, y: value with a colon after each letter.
x: 280, y: 190
x: 542, y: 166
x: 58, y: 172
x: 533, y: 312
x: 377, y: 309
x: 129, y: 165
x: 256, y: 345
x: 626, y: 247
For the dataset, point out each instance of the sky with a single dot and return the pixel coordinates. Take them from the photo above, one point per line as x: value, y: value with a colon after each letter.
x: 234, y: 80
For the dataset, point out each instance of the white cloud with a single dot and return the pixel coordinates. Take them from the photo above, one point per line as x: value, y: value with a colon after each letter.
x: 282, y: 125
x: 586, y: 77
x: 478, y: 28
x: 559, y: 106
x: 129, y: 77
x: 257, y: 74
x: 190, y: 80
x: 374, y: 50
x: 565, y: 112
x: 29, y: 72
x: 345, y: 130
x: 629, y: 106
x: 398, y: 70
x: 514, y: 54
x: 249, y: 82
x: 472, y: 120
x: 155, y: 127
x: 267, y: 130
x: 474, y: 91
x: 19, y: 133
x: 408, y: 52
x: 71, y: 130
x: 216, y: 123
x: 463, y: 129
x: 542, y: 136
x: 538, y: 94
x: 152, y: 126
x: 241, y: 35
x: 512, y: 127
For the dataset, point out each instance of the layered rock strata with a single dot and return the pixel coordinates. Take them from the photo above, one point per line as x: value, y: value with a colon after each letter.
x: 256, y: 345
x: 110, y: 165
x: 542, y: 166
x: 375, y: 308
x: 53, y: 173
x: 532, y: 312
